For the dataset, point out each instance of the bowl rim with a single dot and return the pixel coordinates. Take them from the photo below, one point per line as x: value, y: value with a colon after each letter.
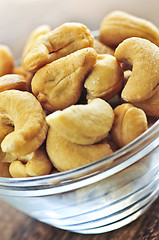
x: 88, y: 174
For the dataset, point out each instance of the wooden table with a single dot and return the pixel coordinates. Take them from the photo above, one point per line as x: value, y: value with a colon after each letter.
x: 15, y: 225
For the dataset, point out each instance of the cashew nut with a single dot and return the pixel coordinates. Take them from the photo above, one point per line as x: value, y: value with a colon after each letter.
x: 129, y: 123
x: 26, y: 74
x: 118, y: 26
x: 59, y: 84
x: 35, y: 34
x: 13, y: 81
x: 58, y: 43
x: 105, y: 79
x: 30, y: 127
x: 37, y: 164
x: 83, y: 124
x: 149, y: 106
x: 144, y: 57
x: 6, y: 60
x: 66, y: 155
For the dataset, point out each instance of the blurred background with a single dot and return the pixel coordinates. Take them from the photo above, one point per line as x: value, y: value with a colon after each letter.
x: 19, y: 17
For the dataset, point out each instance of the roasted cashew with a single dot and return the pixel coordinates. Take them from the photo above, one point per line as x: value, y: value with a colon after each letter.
x: 83, y: 124
x: 58, y: 43
x: 28, y: 117
x: 101, y: 48
x: 59, y: 84
x: 144, y: 57
x: 17, y: 169
x: 118, y: 26
x: 6, y: 60
x: 13, y: 81
x: 66, y: 155
x: 32, y: 165
x: 129, y: 123
x: 26, y: 74
x: 35, y: 34
x: 149, y: 106
x: 105, y: 79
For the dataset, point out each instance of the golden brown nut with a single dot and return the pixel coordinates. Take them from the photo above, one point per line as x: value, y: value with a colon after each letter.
x: 150, y: 106
x: 29, y: 121
x: 13, y: 81
x: 58, y: 43
x: 59, y: 84
x: 118, y: 26
x: 129, y: 123
x: 6, y: 60
x: 26, y: 74
x: 144, y: 57
x: 4, y: 169
x: 66, y: 155
x: 17, y: 169
x: 35, y: 164
x: 35, y: 34
x: 101, y: 48
x: 83, y: 124
x: 105, y: 79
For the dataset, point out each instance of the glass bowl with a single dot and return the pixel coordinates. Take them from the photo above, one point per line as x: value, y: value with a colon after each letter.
x: 95, y: 198
x: 98, y: 197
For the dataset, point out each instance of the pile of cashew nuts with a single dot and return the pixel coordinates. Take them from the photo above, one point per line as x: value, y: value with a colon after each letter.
x: 75, y: 99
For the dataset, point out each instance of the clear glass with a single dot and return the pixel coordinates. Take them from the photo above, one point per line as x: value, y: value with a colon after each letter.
x: 95, y: 198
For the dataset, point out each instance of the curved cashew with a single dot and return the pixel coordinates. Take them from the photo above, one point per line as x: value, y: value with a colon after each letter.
x: 13, y: 81
x: 35, y: 34
x: 6, y: 60
x: 66, y: 155
x: 17, y: 169
x: 35, y: 164
x: 58, y: 43
x: 59, y: 84
x: 30, y: 127
x: 118, y: 26
x: 83, y: 124
x: 144, y: 57
x: 129, y: 123
x: 105, y: 79
x: 149, y: 106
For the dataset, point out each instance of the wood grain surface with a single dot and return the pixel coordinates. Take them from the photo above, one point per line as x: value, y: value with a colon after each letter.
x: 15, y: 225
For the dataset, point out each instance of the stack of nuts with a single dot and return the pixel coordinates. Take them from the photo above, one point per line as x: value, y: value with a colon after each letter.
x: 75, y: 99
